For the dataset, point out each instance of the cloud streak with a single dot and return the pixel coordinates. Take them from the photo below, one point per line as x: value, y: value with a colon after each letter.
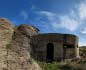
x: 70, y: 21
x: 63, y: 21
x: 24, y: 14
x: 82, y: 10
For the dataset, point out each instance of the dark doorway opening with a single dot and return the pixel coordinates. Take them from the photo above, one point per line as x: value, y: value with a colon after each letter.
x: 50, y: 52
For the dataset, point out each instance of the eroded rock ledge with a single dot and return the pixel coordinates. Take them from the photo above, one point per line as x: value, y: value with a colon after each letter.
x: 15, y: 48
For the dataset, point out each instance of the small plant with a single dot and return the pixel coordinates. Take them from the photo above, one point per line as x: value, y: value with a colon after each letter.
x: 49, y: 66
x: 8, y: 46
x: 66, y: 67
x: 1, y: 24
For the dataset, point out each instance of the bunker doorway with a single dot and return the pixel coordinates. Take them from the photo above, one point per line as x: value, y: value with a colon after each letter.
x: 50, y: 52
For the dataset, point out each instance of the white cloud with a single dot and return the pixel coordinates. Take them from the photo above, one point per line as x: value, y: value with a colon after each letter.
x: 69, y: 23
x: 82, y: 10
x: 82, y: 44
x: 52, y: 18
x: 48, y: 14
x: 24, y: 14
x: 83, y: 31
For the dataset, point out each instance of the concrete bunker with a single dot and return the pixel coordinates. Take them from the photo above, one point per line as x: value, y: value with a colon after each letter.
x: 54, y: 47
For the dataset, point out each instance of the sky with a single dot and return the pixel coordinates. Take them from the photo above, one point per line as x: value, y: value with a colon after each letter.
x: 49, y: 16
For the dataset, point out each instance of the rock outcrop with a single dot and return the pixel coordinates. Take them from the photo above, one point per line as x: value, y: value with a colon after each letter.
x: 6, y: 32
x: 15, y: 48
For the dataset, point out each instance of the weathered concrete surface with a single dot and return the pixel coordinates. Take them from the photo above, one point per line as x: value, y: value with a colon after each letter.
x: 59, y: 42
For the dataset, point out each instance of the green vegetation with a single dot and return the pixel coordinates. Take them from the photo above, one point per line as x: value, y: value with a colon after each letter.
x: 82, y: 51
x: 49, y: 66
x: 62, y: 66
x: 55, y: 66
x: 75, y: 64
x: 8, y: 46
x: 1, y: 25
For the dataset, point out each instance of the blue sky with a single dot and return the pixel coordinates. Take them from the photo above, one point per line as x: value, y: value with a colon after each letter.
x: 56, y: 16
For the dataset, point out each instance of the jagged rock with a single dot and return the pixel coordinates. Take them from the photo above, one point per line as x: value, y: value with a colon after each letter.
x: 21, y: 48
x: 6, y: 32
x: 15, y: 48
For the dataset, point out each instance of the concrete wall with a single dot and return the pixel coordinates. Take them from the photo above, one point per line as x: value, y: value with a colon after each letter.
x: 40, y: 42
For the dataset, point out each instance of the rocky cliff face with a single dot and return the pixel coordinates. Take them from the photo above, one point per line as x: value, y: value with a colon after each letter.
x: 15, y: 47
x: 6, y: 32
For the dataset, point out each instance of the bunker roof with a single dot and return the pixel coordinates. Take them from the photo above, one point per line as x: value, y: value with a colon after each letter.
x: 47, y: 34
